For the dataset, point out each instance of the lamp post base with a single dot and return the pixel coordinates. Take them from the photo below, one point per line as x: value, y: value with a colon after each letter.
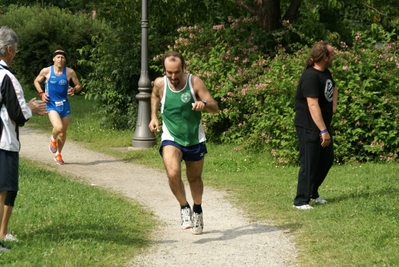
x: 143, y: 143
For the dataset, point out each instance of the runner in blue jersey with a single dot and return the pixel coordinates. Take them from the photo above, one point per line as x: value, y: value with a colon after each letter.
x: 56, y: 93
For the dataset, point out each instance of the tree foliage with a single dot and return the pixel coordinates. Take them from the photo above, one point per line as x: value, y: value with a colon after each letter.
x: 269, y: 12
x: 250, y: 53
x: 42, y: 31
x: 116, y: 58
x: 256, y: 93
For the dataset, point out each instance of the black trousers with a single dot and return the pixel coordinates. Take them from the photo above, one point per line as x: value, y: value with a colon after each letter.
x: 315, y: 162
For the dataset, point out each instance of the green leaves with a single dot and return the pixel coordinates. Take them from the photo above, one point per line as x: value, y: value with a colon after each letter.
x: 256, y: 93
x: 365, y: 124
x: 42, y: 31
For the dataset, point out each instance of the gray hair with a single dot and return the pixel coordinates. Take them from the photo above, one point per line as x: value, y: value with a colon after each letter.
x: 7, y: 38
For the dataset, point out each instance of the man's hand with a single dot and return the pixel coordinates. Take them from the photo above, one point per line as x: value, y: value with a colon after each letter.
x: 37, y: 106
x: 325, y: 139
x: 198, y: 106
x: 154, y: 127
x: 71, y: 91
x: 44, y: 97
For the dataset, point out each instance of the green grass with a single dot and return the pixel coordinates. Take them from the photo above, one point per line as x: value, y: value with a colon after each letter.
x: 62, y: 222
x: 358, y: 227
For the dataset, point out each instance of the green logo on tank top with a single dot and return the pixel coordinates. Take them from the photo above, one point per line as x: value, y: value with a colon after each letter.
x: 186, y: 97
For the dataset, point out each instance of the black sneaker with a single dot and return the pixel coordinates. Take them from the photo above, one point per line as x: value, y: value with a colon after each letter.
x: 3, y: 248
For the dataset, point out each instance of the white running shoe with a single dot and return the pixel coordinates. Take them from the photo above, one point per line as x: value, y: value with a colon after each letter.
x: 10, y: 237
x: 186, y: 221
x: 304, y: 207
x: 320, y: 200
x: 198, y: 224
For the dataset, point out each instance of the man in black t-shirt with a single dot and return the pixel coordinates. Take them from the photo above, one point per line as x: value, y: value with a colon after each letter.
x: 315, y: 102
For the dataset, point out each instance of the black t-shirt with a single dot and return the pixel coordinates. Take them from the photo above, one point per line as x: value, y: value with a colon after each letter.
x: 317, y: 84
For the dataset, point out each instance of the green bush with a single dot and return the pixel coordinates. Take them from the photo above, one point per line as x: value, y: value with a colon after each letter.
x: 42, y: 31
x: 366, y: 126
x: 115, y: 61
x: 114, y: 87
x: 256, y: 92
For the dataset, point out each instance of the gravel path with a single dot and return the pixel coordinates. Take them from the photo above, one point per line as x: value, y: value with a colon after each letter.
x: 229, y: 238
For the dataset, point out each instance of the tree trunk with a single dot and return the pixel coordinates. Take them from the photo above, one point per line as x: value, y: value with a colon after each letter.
x: 293, y: 11
x: 269, y: 14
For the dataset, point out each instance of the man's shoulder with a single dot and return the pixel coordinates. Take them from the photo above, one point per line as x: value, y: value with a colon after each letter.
x: 196, y: 82
x: 159, y: 82
x: 46, y: 69
x: 311, y: 73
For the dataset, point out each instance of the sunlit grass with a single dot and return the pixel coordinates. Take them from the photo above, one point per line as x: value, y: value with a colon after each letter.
x: 61, y: 222
x: 358, y: 227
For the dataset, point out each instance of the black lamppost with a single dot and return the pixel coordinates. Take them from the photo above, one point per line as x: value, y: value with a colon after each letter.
x: 143, y: 137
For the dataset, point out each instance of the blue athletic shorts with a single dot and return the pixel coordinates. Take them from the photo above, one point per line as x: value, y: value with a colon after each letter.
x: 62, y: 107
x: 190, y: 153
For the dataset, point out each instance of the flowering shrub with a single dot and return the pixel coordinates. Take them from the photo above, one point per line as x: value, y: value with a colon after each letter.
x: 256, y: 92
x: 366, y: 126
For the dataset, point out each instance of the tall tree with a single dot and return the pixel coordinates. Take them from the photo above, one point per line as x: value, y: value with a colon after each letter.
x: 269, y: 12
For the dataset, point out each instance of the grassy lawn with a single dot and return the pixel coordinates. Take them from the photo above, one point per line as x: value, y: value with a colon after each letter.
x: 358, y: 227
x: 62, y: 222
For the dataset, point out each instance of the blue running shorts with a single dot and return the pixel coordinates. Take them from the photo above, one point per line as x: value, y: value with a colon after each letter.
x: 62, y: 107
x: 190, y: 153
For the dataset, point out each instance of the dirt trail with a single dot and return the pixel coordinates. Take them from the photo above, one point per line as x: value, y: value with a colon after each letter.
x: 229, y: 238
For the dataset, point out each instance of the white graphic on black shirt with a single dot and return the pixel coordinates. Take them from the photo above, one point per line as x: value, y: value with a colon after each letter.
x: 329, y: 90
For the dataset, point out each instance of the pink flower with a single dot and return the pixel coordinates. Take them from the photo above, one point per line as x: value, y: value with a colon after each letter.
x: 345, y: 67
x: 218, y: 27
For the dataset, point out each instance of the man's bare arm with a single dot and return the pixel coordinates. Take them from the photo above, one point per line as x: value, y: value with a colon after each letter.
x: 40, y: 78
x: 335, y: 100
x: 315, y: 113
x: 72, y: 75
x: 155, y: 101
x: 202, y: 93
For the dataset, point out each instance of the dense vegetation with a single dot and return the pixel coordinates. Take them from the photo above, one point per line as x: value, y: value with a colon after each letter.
x: 256, y: 94
x: 42, y: 31
x: 251, y: 70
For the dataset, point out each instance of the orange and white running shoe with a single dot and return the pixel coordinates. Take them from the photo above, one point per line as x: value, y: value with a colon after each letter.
x: 53, y: 145
x: 58, y: 159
